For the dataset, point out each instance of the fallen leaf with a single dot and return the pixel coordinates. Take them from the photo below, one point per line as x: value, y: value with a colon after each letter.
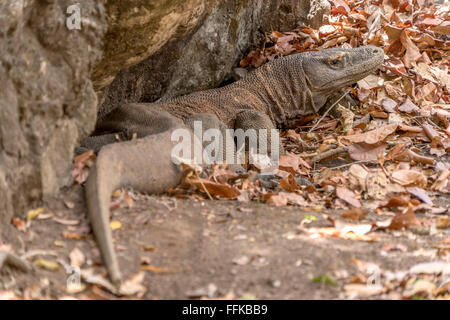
x: 46, y: 264
x: 134, y: 285
x: 410, y: 178
x: 363, y: 151
x: 289, y: 184
x: 114, y: 225
x: 156, y: 269
x: 341, y: 6
x: 20, y: 224
x: 372, y: 136
x: 204, y: 292
x: 294, y: 198
x: 66, y: 222
x: 31, y: 214
x: 277, y: 201
x: 77, y: 257
x: 363, y: 290
x: 80, y: 166
x: 419, y: 287
x: 389, y: 105
x: 436, y: 267
x: 421, y: 194
x: 354, y: 214
x: 222, y: 190
x: 404, y: 219
x: 408, y: 106
x: 412, y: 52
x: 348, y: 196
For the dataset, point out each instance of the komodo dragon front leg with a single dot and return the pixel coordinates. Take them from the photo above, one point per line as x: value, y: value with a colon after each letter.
x: 255, y: 120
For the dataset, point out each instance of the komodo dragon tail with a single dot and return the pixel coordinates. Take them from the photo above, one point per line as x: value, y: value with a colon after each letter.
x: 144, y: 164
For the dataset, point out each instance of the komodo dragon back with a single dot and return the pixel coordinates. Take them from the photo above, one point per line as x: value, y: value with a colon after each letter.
x: 282, y: 91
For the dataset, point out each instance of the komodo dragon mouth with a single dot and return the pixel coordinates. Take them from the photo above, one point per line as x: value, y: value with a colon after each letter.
x: 280, y: 90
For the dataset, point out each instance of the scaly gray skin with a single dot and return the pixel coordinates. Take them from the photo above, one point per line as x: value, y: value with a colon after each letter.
x: 275, y: 95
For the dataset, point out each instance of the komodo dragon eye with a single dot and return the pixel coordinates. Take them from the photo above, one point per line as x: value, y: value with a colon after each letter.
x: 338, y: 60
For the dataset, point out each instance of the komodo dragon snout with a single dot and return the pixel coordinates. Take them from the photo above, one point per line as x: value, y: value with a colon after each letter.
x: 271, y: 96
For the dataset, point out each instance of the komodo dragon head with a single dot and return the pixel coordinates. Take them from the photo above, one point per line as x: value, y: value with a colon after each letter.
x: 300, y: 84
x: 332, y: 69
x: 336, y: 68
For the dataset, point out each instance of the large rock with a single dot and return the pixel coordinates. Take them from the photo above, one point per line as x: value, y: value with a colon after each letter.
x: 153, y: 49
x: 47, y: 102
x: 159, y: 49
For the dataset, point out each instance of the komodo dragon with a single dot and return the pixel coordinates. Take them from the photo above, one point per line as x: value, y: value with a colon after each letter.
x: 276, y: 94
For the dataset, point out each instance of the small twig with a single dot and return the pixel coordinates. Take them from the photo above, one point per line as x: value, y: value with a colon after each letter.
x: 204, y: 188
x: 33, y: 253
x: 348, y: 164
x: 329, y: 153
x: 328, y: 110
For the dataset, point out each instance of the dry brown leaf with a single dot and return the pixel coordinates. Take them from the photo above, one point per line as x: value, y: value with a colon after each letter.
x: 221, y: 190
x: 372, y: 136
x: 134, y: 286
x: 397, y: 200
x: 277, y: 200
x: 412, y: 52
x: 348, y: 196
x: 404, y: 219
x: 291, y: 163
x: 46, y: 264
x: 77, y: 257
x: 155, y: 269
x: 364, y: 151
x: 294, y: 198
x: 363, y: 290
x: 443, y: 28
x: 408, y: 106
x: 289, y: 184
x: 355, y: 214
x: 441, y: 183
x: 334, y: 233
x: 421, y: 194
x: 80, y: 170
x: 341, y: 6
x: 389, y: 105
x: 410, y: 178
x: 31, y: 214
x: 20, y: 224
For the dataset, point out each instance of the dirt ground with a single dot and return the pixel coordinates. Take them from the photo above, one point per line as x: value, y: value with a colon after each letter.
x: 216, y: 249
